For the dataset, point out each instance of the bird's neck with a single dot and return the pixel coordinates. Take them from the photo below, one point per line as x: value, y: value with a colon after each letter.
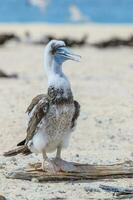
x: 56, y: 77
x: 58, y: 84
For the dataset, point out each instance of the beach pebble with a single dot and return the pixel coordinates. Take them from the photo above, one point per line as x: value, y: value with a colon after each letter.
x: 61, y: 192
x: 13, y: 159
x: 35, y: 180
x: 91, y: 189
x: 23, y: 188
x: 2, y: 197
x: 84, y: 116
x: 111, y: 137
x: 2, y: 165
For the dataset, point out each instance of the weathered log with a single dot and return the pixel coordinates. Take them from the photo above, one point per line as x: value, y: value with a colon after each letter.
x: 78, y: 172
x: 114, y: 189
x: 123, y: 196
x: 118, y: 192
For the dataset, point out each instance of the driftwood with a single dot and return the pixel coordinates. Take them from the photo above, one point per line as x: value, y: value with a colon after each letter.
x: 79, y: 172
x: 118, y: 192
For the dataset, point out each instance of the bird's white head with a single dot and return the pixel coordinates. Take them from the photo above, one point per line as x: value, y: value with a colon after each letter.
x: 55, y: 54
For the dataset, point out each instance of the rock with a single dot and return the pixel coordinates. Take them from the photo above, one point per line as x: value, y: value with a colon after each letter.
x: 57, y: 198
x: 91, y: 189
x: 2, y: 197
x: 13, y: 159
x: 4, y: 37
x: 62, y: 192
x: 5, y: 75
x: 35, y: 180
x: 23, y: 188
x: 114, y: 42
x: 68, y: 41
x: 84, y: 116
x: 2, y: 165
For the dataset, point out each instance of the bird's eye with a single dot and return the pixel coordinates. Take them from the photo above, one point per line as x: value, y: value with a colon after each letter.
x: 53, y: 51
x: 60, y: 51
x: 57, y: 49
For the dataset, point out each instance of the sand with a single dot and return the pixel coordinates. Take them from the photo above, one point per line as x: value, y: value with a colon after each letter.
x: 103, y: 84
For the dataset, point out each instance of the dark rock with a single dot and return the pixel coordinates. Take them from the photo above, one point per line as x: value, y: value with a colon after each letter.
x: 2, y: 197
x: 62, y: 192
x: 91, y: 189
x: 4, y: 75
x: 114, y: 42
x: 68, y: 41
x: 4, y: 37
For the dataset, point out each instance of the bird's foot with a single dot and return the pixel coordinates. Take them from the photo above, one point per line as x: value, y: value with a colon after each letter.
x: 63, y: 165
x: 57, y: 165
x: 49, y: 166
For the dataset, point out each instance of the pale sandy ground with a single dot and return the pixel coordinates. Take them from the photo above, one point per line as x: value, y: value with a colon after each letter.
x: 103, y: 84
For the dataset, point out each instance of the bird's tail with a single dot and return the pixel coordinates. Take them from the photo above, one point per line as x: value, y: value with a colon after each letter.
x: 19, y: 150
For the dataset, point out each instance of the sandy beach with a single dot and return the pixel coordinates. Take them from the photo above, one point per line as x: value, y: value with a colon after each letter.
x: 103, y: 84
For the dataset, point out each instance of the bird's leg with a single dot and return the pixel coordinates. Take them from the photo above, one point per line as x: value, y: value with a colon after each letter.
x: 58, y: 153
x: 48, y: 165
x: 61, y: 164
x: 44, y: 159
x: 44, y: 155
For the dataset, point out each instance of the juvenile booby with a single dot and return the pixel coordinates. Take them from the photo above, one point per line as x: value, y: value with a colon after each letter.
x: 52, y: 117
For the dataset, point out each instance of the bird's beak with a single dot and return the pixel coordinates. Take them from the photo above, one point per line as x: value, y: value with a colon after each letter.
x: 67, y: 54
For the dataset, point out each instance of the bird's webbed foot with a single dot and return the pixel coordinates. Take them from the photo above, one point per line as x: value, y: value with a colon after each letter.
x: 49, y: 166
x: 56, y: 165
x: 63, y: 165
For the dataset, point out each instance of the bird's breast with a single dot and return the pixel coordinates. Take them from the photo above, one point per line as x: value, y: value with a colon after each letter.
x: 58, y: 120
x: 55, y: 126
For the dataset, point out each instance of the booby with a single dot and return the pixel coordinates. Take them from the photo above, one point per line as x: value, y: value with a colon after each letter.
x: 52, y: 117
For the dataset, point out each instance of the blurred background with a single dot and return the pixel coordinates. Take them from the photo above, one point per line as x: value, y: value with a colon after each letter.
x: 66, y: 11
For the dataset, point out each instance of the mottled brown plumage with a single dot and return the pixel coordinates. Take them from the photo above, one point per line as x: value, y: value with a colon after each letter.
x: 40, y: 104
x: 76, y: 114
x: 34, y: 101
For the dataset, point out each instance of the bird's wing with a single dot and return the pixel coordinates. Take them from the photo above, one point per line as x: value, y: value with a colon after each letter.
x: 76, y: 114
x: 39, y: 108
x: 34, y: 102
x: 29, y: 110
x: 40, y: 104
